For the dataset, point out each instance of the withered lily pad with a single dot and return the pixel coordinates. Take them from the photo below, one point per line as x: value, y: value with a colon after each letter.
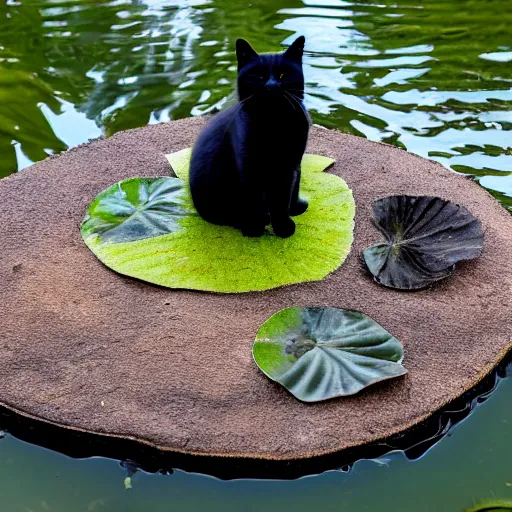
x: 148, y: 228
x: 322, y: 353
x: 425, y: 238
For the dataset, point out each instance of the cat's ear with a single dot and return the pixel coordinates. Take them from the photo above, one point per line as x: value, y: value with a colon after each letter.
x: 244, y: 53
x: 296, y: 49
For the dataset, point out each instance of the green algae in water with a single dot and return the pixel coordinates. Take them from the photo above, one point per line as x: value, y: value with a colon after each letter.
x: 492, y: 506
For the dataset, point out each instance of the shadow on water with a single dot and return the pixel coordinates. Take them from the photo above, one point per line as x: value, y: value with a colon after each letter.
x: 414, y: 443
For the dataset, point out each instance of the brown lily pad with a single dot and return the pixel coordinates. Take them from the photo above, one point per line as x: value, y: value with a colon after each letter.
x: 91, y: 350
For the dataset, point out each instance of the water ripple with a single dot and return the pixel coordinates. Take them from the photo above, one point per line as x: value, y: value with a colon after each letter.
x: 393, y: 72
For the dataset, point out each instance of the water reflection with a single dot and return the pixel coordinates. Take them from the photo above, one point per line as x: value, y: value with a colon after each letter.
x: 391, y: 71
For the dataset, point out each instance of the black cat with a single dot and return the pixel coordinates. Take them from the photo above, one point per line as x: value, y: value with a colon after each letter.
x: 245, y: 166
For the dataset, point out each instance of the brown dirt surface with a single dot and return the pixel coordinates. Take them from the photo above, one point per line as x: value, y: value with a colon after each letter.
x: 91, y: 350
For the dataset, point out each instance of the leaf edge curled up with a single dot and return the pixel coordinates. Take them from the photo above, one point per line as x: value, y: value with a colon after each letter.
x: 271, y: 350
x: 397, y: 263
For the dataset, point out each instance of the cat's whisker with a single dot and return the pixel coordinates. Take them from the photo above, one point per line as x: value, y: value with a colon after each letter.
x: 300, y: 99
x: 297, y: 100
x: 289, y: 101
x: 240, y: 103
x: 295, y: 90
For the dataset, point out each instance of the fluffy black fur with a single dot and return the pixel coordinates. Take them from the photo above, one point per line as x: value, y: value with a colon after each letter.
x: 245, y: 167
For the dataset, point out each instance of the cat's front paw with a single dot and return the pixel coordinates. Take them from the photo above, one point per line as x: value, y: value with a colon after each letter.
x: 284, y: 229
x: 253, y: 231
x: 299, y: 207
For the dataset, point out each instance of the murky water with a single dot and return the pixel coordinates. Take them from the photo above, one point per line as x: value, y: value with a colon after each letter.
x: 434, y: 76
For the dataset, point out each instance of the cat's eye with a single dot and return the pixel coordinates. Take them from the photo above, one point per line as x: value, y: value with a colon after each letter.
x: 281, y: 76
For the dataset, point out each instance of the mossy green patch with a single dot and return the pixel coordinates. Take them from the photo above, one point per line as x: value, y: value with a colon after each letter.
x: 160, y: 238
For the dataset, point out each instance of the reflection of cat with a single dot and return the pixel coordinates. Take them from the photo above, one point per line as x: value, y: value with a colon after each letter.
x: 245, y: 167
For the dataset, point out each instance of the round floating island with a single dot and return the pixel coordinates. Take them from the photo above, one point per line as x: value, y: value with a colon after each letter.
x: 91, y: 350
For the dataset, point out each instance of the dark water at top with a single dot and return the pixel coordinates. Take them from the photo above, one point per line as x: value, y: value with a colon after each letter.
x: 433, y: 76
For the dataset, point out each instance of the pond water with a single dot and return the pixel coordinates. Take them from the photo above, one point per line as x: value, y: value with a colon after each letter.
x: 433, y: 76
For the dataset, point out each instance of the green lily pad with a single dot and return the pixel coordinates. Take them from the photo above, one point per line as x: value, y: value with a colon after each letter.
x: 136, y: 209
x: 180, y: 163
x: 425, y: 237
x: 322, y: 353
x: 147, y: 228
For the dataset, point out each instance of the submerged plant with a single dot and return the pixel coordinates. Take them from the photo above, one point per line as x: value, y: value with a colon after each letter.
x: 425, y: 238
x: 492, y: 506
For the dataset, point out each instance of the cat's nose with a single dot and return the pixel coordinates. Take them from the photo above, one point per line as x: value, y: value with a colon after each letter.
x: 272, y: 83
